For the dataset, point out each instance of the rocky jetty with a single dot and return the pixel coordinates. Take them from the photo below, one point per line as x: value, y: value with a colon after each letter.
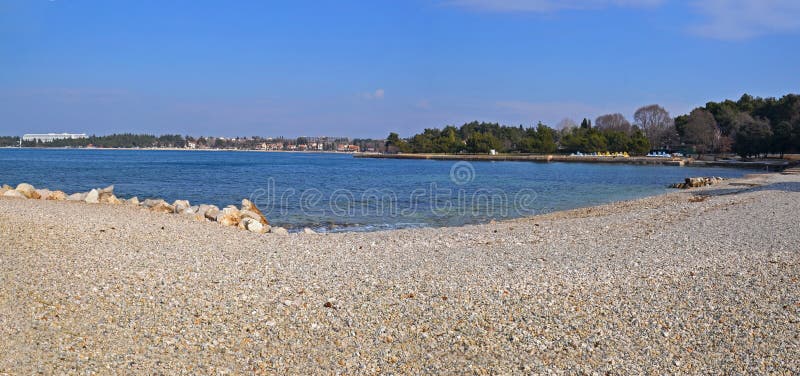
x: 698, y: 182
x: 247, y: 217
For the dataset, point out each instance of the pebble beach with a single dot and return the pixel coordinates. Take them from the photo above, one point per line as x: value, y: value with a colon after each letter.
x: 695, y: 281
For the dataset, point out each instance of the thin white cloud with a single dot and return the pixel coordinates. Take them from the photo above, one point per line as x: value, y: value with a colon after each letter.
x: 423, y: 104
x: 377, y: 94
x: 744, y: 19
x: 544, y: 6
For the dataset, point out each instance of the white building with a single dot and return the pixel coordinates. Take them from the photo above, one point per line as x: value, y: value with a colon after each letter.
x: 48, y: 137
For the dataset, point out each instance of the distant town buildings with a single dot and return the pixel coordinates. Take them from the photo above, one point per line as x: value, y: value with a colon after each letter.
x: 303, y: 143
x: 49, y: 137
x: 347, y: 148
x: 145, y: 141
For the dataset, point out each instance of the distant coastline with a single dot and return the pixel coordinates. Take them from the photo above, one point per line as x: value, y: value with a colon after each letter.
x: 182, y: 149
x: 769, y: 165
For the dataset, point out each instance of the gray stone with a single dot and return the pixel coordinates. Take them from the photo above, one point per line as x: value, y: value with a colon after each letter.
x: 211, y: 212
x: 150, y: 202
x: 202, y: 209
x: 162, y: 207
x: 181, y: 206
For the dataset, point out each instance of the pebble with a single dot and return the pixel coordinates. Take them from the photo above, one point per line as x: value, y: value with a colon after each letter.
x: 660, y: 285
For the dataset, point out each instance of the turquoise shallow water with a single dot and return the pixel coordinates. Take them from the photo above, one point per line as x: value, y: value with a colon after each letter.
x: 336, y: 192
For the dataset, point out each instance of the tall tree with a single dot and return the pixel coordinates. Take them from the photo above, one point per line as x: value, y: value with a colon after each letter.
x: 566, y: 123
x: 614, y: 122
x: 639, y: 145
x: 754, y: 136
x: 657, y: 125
x: 482, y: 143
x: 701, y: 130
x: 726, y: 114
x: 394, y: 144
x: 782, y: 137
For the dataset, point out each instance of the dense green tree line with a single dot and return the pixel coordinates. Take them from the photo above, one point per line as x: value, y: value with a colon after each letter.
x: 9, y: 141
x: 480, y: 137
x: 125, y: 140
x: 750, y: 127
x: 590, y: 140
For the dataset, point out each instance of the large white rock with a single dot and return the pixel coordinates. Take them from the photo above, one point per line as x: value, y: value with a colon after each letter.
x: 230, y: 209
x: 249, y: 206
x: 254, y: 225
x: 57, y: 196
x: 202, y: 209
x: 44, y: 194
x: 250, y: 214
x: 27, y: 190
x: 133, y: 201
x: 279, y: 231
x: 80, y: 196
x: 13, y: 194
x: 210, y: 212
x: 162, y: 207
x: 93, y: 197
x: 230, y: 216
x: 181, y: 206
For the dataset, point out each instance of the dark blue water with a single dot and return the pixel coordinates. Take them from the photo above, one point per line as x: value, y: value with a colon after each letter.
x: 336, y: 192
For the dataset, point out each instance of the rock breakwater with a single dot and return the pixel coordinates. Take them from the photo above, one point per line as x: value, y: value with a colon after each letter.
x: 697, y: 182
x: 247, y: 217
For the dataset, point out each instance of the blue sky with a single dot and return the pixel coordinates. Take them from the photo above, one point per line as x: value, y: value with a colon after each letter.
x: 364, y: 68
